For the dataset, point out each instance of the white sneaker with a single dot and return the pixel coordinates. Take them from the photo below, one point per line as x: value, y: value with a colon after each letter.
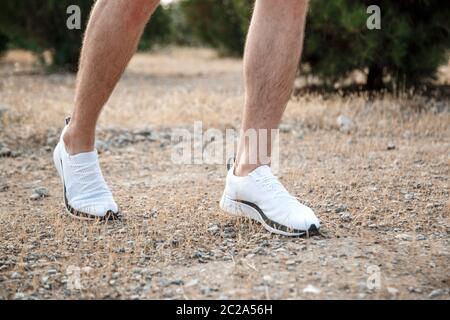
x: 260, y: 196
x: 86, y: 195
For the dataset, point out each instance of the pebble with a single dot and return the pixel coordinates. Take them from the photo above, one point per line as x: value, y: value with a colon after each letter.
x: 311, y: 289
x: 420, y: 237
x: 404, y: 237
x: 41, y: 191
x: 415, y: 290
x: 101, y: 146
x: 409, y: 196
x: 35, y: 196
x: 345, y: 123
x: 3, y: 187
x: 213, y: 230
x: 392, y: 291
x: 390, y: 146
x: 341, y: 208
x: 19, y: 295
x: 15, y: 275
x: 191, y: 283
x: 52, y: 271
x: 284, y: 127
x: 5, y: 152
x: 436, y: 293
x: 346, y: 216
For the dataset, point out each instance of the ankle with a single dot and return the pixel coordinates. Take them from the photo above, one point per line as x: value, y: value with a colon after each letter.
x: 242, y: 170
x: 76, y: 143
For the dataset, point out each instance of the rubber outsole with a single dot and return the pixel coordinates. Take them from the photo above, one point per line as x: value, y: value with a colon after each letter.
x: 252, y: 211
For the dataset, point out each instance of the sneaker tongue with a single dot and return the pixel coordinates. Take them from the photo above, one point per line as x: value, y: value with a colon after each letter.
x: 261, y: 171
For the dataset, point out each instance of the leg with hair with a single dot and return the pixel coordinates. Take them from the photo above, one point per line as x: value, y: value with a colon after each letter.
x: 112, y: 35
x: 272, y: 54
x: 271, y: 59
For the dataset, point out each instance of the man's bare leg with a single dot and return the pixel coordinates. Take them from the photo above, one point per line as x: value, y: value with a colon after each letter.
x: 112, y: 35
x: 113, y: 32
x: 272, y: 54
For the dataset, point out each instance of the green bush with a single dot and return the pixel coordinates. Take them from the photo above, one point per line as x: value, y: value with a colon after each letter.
x: 220, y: 24
x: 159, y: 30
x: 412, y: 43
x: 40, y: 25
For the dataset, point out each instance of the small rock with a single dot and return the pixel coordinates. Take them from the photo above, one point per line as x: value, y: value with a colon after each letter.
x: 392, y: 291
x: 5, y: 152
x: 267, y: 278
x: 346, y: 216
x: 214, y: 230
x: 341, y: 208
x: 404, y: 237
x: 19, y: 296
x: 415, y: 290
x: 420, y: 237
x: 284, y: 127
x: 15, y: 275
x: 229, y: 232
x: 3, y: 187
x: 177, y: 282
x: 41, y: 191
x: 390, y: 146
x: 191, y: 283
x: 311, y: 289
x: 35, y: 196
x: 101, y: 146
x: 290, y: 262
x: 345, y: 123
x: 52, y: 271
x: 409, y: 196
x: 436, y: 293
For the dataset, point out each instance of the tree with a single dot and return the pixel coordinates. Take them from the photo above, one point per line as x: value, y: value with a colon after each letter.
x: 413, y: 40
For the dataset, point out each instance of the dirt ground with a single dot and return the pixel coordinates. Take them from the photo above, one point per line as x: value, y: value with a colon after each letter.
x: 379, y: 185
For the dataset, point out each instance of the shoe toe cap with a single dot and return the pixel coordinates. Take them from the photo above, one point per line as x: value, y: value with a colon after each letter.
x: 100, y: 209
x: 303, y: 218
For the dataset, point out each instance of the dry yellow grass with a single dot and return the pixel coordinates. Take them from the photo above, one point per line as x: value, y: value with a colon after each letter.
x: 398, y: 200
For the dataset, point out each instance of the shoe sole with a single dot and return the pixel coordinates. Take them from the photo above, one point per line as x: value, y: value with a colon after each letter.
x: 250, y: 210
x: 72, y: 212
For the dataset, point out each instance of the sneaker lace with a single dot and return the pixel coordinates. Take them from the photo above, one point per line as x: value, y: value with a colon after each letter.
x: 274, y: 186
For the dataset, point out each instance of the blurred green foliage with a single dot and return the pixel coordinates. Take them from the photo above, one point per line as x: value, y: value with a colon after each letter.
x: 413, y: 41
x: 40, y: 25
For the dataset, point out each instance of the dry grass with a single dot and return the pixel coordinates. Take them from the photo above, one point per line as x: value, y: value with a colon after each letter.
x: 398, y: 199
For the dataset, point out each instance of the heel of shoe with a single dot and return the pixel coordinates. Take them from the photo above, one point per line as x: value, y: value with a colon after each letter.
x: 57, y: 160
x: 230, y: 206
